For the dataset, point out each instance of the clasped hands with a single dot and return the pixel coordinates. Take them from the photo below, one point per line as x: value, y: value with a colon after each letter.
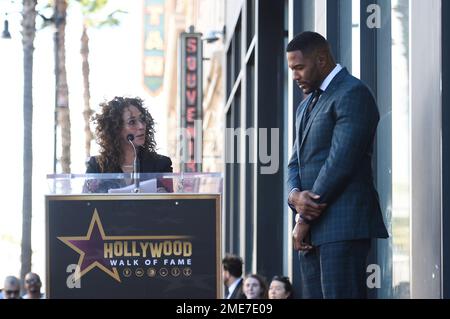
x: 304, y: 202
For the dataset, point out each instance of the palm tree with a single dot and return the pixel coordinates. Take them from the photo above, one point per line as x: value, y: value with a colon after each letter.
x: 92, y: 17
x: 62, y: 91
x: 87, y: 111
x: 28, y: 35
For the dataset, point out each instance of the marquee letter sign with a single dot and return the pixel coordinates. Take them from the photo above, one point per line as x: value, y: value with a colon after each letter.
x: 153, y: 45
x: 191, y: 60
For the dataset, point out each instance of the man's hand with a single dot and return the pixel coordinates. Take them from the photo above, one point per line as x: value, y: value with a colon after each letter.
x: 298, y: 236
x: 304, y: 203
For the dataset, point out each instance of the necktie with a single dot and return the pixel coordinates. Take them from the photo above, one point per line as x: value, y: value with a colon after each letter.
x: 310, y: 106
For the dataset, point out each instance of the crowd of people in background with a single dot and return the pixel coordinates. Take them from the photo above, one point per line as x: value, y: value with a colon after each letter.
x: 252, y: 286
x: 32, y: 286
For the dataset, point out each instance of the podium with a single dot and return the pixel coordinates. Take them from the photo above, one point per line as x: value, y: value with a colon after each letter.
x: 105, y: 241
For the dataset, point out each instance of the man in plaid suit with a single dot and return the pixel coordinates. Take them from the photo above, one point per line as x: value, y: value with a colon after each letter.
x: 330, y: 173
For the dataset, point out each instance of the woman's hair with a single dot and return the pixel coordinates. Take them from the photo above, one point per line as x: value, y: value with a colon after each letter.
x: 262, y: 283
x: 286, y: 283
x: 109, y: 124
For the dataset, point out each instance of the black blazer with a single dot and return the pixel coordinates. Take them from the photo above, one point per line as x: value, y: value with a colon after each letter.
x: 148, y: 163
x: 238, y: 292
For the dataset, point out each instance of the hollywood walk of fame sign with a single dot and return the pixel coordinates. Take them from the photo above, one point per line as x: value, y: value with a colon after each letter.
x: 133, y: 246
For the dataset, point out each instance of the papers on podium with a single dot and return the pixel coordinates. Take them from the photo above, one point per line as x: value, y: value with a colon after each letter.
x: 148, y: 186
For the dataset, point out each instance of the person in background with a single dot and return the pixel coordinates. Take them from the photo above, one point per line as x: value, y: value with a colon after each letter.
x: 11, y: 288
x: 33, y: 286
x: 255, y: 287
x: 232, y: 277
x: 280, y: 288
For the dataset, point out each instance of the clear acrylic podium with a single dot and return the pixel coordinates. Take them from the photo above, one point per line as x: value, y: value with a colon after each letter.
x: 105, y: 240
x: 76, y: 184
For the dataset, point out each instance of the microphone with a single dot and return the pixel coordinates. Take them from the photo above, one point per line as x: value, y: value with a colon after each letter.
x: 130, y: 138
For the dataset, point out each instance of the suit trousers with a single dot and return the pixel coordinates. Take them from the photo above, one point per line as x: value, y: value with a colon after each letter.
x: 335, y: 270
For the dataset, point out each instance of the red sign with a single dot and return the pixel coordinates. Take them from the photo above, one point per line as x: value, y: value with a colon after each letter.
x: 191, y: 101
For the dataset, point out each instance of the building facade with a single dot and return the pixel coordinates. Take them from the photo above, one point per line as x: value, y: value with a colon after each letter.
x: 205, y: 16
x: 397, y: 47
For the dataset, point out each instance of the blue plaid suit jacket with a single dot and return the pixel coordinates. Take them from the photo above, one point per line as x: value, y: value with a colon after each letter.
x: 332, y: 157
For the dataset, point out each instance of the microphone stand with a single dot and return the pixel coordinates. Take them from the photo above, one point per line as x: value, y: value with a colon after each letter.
x: 136, y: 177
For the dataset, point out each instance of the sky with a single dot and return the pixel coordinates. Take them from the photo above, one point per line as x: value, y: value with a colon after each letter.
x: 116, y: 69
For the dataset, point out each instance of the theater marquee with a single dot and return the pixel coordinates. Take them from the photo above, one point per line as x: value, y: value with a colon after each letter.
x: 191, y: 61
x: 154, y: 45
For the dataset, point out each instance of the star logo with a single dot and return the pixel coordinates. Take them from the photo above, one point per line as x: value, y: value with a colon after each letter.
x: 91, y: 249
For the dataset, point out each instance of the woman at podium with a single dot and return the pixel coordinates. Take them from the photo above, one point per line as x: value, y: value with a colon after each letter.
x: 126, y: 135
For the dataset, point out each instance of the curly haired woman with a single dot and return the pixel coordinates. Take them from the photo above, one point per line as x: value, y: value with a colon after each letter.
x: 119, y: 118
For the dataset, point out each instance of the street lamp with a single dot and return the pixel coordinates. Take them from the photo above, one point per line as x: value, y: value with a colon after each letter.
x: 5, y: 33
x: 213, y: 36
x: 6, y: 8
